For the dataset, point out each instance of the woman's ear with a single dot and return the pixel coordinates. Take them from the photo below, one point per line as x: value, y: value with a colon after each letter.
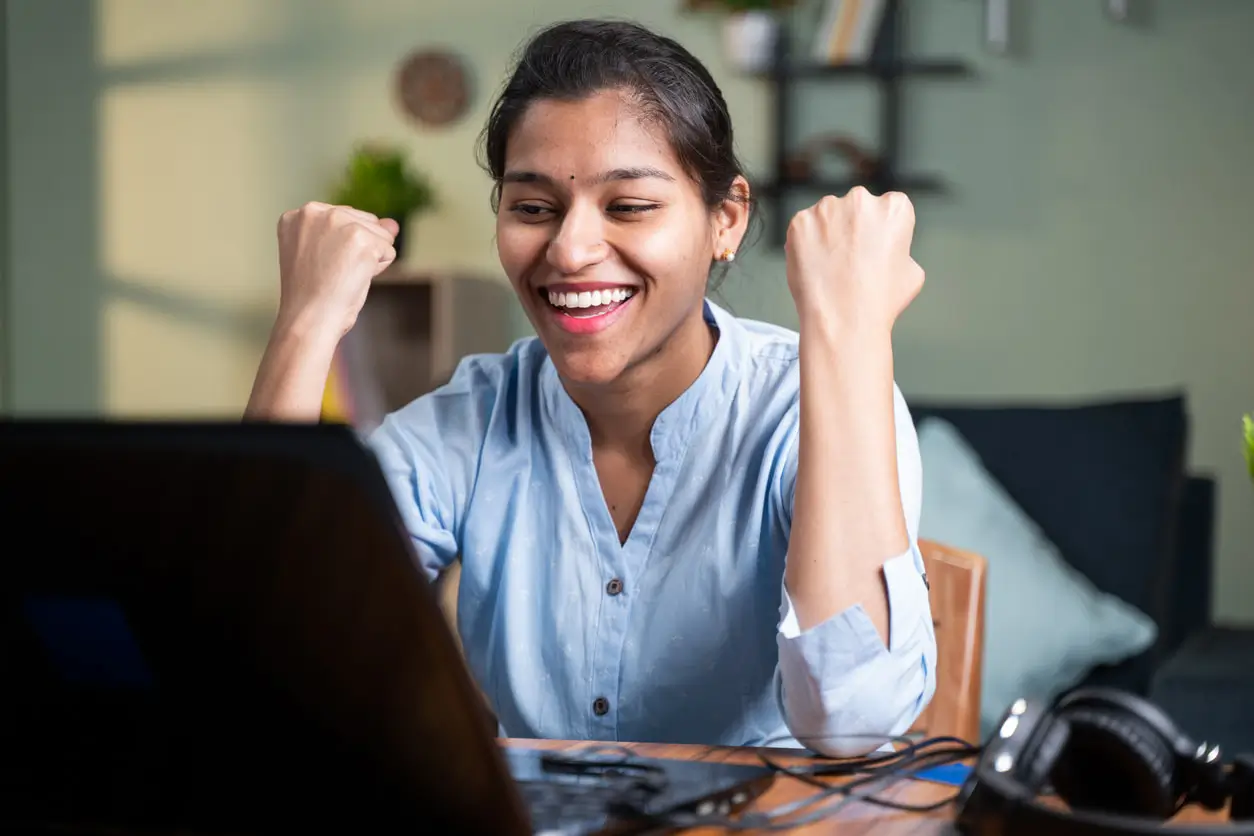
x: 731, y: 219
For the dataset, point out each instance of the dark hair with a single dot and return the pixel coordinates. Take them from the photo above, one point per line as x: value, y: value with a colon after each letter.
x: 578, y: 58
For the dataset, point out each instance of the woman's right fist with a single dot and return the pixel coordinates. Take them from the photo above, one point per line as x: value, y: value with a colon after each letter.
x: 327, y: 258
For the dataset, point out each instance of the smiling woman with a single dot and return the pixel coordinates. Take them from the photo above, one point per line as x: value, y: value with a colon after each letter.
x: 674, y: 524
x: 627, y: 218
x: 617, y: 175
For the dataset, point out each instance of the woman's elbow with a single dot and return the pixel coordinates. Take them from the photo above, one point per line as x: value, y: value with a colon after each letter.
x: 851, y: 722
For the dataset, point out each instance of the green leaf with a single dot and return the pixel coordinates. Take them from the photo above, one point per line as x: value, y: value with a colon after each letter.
x: 1249, y: 443
x: 378, y: 179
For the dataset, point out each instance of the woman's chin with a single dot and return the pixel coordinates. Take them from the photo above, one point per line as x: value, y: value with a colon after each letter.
x: 588, y: 367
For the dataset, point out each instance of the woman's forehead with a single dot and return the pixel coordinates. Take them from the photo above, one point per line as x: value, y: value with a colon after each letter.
x: 588, y: 137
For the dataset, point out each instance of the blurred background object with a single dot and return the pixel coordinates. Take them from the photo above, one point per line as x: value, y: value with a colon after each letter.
x: 1248, y: 424
x: 433, y: 87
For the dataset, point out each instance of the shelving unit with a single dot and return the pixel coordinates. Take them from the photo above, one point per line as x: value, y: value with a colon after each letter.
x: 414, y: 328
x: 888, y: 67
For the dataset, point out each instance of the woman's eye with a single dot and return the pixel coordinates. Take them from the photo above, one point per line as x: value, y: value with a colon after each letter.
x: 529, y: 210
x: 633, y: 208
x: 536, y: 212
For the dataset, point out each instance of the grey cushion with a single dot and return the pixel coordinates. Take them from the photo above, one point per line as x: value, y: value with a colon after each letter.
x: 1103, y: 482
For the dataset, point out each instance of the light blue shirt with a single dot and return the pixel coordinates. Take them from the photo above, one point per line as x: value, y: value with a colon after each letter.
x: 695, y: 641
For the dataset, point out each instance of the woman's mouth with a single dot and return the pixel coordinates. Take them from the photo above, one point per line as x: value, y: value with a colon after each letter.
x: 588, y: 303
x: 588, y: 311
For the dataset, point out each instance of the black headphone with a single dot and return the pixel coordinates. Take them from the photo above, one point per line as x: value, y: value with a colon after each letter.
x: 1118, y: 762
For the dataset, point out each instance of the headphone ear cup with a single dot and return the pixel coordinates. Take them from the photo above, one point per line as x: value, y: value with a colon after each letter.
x: 1114, y: 762
x: 1242, y: 788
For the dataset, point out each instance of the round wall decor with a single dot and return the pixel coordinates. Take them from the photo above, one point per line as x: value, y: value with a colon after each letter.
x: 433, y: 87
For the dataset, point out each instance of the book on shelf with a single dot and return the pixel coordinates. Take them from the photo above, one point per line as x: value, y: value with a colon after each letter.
x: 353, y: 394
x: 847, y: 31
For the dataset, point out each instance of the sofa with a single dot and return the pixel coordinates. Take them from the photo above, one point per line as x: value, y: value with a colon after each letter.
x: 1106, y: 483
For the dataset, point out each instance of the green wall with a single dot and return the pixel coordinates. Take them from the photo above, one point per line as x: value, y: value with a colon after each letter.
x: 5, y: 327
x: 52, y: 227
x: 1095, y: 241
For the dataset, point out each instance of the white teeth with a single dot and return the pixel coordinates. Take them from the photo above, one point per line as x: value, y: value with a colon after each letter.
x: 590, y: 298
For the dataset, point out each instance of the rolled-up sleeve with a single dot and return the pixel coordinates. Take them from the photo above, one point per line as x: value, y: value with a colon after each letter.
x: 843, y: 691
x: 428, y: 451
x: 406, y: 447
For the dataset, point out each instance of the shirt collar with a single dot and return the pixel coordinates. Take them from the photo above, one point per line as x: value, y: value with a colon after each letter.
x: 696, y: 408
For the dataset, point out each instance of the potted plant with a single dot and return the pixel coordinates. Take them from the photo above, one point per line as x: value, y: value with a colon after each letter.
x: 378, y: 179
x: 750, y: 30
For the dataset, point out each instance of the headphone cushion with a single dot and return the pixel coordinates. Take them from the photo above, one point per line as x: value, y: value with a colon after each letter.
x: 1114, y: 762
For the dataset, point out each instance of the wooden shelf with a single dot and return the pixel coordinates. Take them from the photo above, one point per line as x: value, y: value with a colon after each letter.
x: 404, y: 274
x: 887, y: 68
x: 413, y: 330
x: 876, y: 69
x: 918, y: 183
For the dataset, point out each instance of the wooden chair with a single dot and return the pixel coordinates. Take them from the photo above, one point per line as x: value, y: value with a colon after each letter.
x: 957, y: 580
x: 446, y: 594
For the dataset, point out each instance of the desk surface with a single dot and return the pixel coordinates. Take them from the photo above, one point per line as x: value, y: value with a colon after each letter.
x: 853, y: 819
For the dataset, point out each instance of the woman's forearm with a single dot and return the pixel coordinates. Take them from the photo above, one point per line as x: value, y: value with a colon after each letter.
x: 847, y: 510
x: 292, y: 377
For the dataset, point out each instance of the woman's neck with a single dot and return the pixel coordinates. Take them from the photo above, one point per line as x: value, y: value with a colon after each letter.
x: 621, y: 414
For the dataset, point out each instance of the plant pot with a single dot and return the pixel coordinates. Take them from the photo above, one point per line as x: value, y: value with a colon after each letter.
x: 749, y: 40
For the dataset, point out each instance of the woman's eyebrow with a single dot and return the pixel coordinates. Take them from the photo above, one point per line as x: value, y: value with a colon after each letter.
x: 631, y: 173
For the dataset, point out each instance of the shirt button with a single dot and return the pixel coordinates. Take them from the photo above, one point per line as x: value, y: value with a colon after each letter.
x: 614, y: 587
x: 600, y: 706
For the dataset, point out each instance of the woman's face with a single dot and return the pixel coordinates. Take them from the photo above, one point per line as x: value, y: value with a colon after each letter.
x: 603, y: 235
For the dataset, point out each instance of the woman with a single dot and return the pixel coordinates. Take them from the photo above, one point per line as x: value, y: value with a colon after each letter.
x: 674, y: 525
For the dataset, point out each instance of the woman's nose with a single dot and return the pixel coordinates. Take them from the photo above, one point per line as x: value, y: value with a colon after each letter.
x: 579, y: 242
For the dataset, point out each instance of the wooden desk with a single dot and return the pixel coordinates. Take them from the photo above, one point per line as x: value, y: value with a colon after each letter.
x: 854, y: 819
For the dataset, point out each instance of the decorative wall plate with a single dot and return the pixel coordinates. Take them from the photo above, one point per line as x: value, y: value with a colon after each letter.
x: 433, y: 87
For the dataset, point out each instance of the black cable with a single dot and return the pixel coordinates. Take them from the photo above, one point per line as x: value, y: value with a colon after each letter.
x: 911, y: 771
x: 878, y: 761
x: 906, y: 767
x: 912, y: 766
x: 955, y: 751
x: 623, y: 773
x: 887, y: 768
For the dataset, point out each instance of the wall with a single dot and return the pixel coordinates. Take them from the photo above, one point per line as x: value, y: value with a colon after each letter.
x: 55, y: 291
x: 1094, y: 241
x: 5, y: 329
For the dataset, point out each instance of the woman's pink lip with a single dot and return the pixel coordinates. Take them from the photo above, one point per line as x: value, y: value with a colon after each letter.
x: 588, y: 324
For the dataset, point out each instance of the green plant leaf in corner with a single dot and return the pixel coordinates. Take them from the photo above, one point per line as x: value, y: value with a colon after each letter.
x: 1249, y: 443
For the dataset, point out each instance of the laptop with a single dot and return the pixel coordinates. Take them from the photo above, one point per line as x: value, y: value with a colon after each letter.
x: 222, y: 626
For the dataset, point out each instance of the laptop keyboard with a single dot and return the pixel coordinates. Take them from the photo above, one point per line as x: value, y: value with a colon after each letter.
x: 568, y: 807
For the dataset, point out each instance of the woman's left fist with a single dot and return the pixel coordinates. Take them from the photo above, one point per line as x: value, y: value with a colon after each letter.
x: 848, y: 260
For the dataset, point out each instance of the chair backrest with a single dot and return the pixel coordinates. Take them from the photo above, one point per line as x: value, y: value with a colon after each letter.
x: 446, y: 593
x: 956, y: 578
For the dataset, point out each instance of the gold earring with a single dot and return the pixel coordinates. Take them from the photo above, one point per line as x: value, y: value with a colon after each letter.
x: 727, y: 255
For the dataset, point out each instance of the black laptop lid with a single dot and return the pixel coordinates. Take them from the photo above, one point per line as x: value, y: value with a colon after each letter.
x: 223, y: 624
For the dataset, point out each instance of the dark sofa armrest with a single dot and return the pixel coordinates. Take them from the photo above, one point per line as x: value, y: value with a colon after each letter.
x: 1207, y: 686
x: 1187, y: 585
x: 1188, y: 609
